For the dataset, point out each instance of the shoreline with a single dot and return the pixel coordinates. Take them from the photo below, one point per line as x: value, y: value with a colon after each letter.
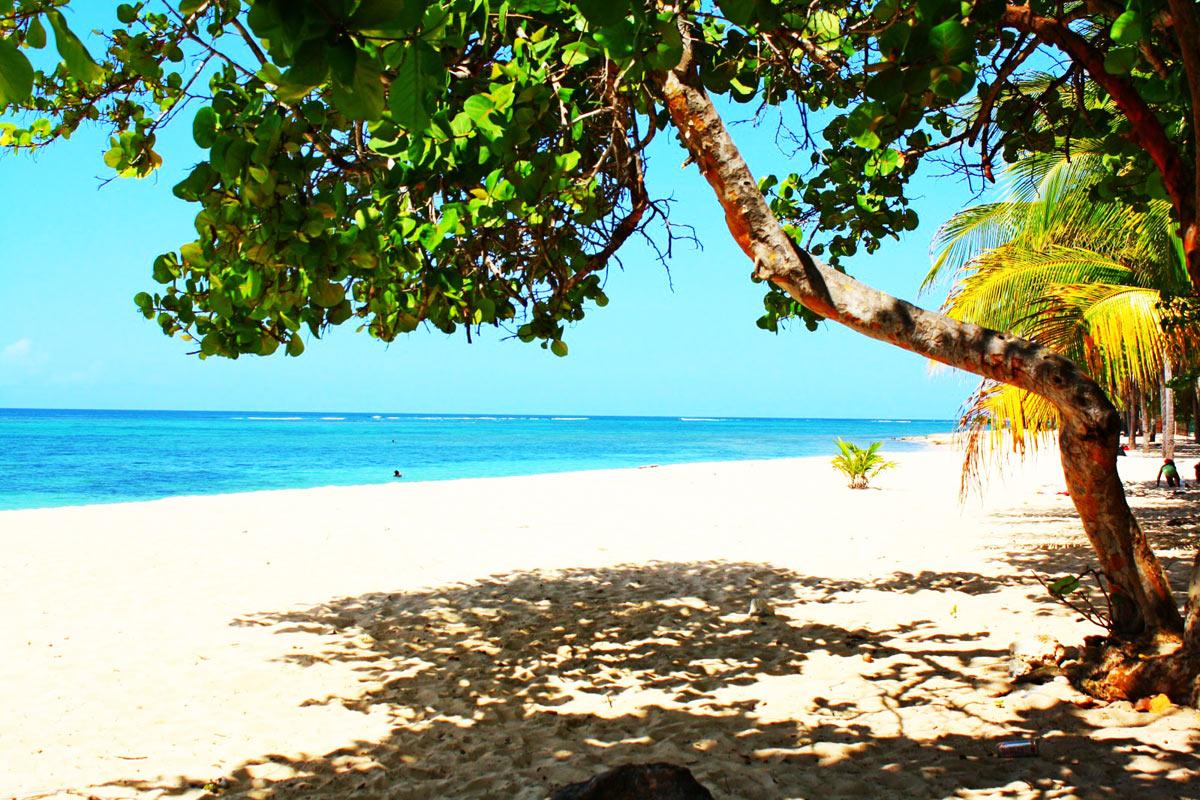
x: 929, y: 440
x: 480, y: 638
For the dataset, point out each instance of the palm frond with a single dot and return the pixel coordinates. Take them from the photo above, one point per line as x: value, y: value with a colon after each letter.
x: 986, y: 295
x: 1000, y: 421
x: 1086, y: 278
x: 970, y: 232
x: 1121, y: 331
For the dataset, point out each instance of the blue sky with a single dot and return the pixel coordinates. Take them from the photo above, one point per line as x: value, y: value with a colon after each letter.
x: 73, y: 254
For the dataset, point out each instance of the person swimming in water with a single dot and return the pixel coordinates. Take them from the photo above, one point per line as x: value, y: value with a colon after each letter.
x: 1170, y: 471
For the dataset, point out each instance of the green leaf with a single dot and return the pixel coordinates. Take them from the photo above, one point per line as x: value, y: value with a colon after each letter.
x: 252, y: 285
x: 193, y: 254
x: 406, y: 97
x: 479, y: 108
x: 603, y: 12
x: 263, y: 19
x: 388, y: 17
x: 739, y: 12
x: 559, y: 348
x: 884, y: 162
x: 861, y: 125
x: 885, y: 10
x: 824, y: 26
x: 79, y: 62
x: 35, y: 34
x: 201, y: 179
x: 668, y: 50
x: 326, y: 294
x: 16, y: 74
x: 1128, y: 28
x: 343, y: 57
x: 894, y: 39
x: 310, y: 68
x: 362, y: 98
x: 187, y: 7
x: 340, y: 313
x: 204, y: 127
x: 126, y: 13
x: 618, y: 40
x: 952, y: 82
x: 267, y: 345
x: 164, y: 268
x: 934, y: 10
x: 1119, y: 60
x: 1064, y: 586
x: 950, y: 42
x: 577, y: 53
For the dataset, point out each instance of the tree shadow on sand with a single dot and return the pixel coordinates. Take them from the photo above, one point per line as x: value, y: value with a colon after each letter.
x: 510, y: 686
x: 1049, y: 542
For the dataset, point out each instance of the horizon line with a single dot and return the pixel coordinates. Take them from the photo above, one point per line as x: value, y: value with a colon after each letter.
x: 873, y: 418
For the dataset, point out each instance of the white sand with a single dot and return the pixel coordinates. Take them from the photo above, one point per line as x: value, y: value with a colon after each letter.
x: 350, y: 642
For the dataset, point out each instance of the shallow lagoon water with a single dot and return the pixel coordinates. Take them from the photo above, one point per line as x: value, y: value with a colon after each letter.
x: 65, y: 457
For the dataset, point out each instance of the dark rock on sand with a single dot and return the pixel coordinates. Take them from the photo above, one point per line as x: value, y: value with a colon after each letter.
x: 637, y: 782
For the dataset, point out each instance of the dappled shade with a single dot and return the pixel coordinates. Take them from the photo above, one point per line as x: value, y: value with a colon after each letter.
x: 513, y: 685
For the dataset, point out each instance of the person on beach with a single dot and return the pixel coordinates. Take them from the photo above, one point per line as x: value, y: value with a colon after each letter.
x: 1168, y: 468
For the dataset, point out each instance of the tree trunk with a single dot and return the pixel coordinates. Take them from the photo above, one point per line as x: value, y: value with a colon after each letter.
x: 1132, y: 421
x: 1142, y: 603
x: 1191, y: 631
x: 1147, y: 427
x: 1196, y: 410
x: 1168, y: 412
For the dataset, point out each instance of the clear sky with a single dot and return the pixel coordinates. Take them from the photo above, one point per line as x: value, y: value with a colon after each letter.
x: 73, y: 254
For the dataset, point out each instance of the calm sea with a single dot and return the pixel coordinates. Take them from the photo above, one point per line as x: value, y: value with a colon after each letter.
x: 58, y: 458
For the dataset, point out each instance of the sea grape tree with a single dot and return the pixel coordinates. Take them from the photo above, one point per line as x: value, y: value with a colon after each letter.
x: 468, y: 163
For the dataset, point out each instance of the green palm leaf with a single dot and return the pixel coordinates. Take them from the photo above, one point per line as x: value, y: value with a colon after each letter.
x: 1048, y: 262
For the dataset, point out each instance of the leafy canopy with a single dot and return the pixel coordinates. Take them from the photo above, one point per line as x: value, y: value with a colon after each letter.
x: 468, y: 163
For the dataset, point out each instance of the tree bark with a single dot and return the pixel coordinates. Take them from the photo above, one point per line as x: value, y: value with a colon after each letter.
x: 1132, y: 422
x: 1191, y: 631
x: 1147, y: 426
x: 1143, y: 605
x: 1196, y: 410
x: 1168, y: 412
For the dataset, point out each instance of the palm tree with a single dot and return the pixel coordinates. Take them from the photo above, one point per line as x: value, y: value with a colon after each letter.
x: 1049, y: 262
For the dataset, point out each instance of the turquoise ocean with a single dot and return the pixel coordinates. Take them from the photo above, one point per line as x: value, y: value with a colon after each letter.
x: 67, y: 457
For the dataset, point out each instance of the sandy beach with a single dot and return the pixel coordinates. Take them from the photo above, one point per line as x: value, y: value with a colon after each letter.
x: 499, y: 638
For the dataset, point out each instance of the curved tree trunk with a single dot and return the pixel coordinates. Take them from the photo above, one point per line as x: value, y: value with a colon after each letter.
x: 1143, y: 605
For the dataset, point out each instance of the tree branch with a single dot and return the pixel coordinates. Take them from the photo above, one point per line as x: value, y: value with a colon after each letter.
x: 1091, y: 425
x: 1187, y: 33
x: 1178, y: 177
